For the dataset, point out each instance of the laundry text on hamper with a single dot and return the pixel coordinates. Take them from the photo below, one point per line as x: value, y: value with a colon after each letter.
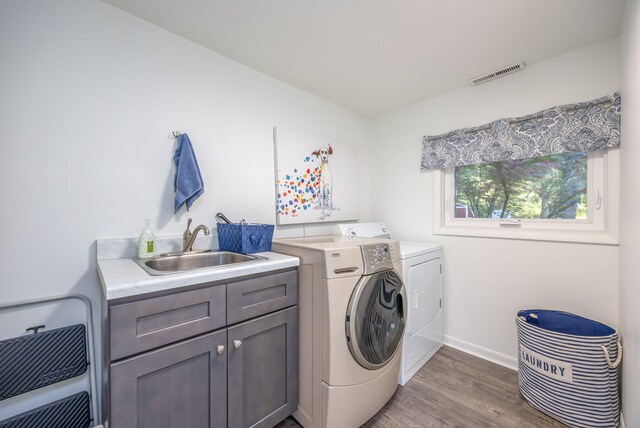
x: 547, y: 366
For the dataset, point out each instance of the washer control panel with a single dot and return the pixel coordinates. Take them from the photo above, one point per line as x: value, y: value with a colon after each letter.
x: 376, y: 257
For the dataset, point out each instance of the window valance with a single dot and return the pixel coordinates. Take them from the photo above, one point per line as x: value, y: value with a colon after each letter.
x: 581, y: 127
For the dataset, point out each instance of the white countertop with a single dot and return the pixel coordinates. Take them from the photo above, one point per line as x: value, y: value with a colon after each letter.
x: 124, y: 278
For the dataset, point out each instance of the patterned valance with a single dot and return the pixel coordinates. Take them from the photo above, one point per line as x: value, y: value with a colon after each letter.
x: 581, y: 127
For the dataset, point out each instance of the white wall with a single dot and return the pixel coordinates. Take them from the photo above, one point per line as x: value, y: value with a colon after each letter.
x: 88, y: 96
x: 629, y: 209
x: 488, y: 280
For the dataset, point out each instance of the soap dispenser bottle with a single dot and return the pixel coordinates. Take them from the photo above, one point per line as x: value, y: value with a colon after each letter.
x: 146, y: 241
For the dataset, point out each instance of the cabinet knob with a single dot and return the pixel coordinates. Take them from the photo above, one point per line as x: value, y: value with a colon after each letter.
x: 237, y: 344
x: 220, y: 349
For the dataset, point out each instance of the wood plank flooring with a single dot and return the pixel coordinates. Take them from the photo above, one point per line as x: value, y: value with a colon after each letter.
x: 455, y: 389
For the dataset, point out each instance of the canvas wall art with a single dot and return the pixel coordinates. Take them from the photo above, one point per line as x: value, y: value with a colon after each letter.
x: 316, y: 179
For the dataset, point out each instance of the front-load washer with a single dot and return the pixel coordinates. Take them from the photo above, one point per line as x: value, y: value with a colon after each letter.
x: 421, y: 267
x: 351, y: 303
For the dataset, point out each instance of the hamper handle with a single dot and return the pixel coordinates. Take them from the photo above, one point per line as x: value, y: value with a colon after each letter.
x: 255, y: 239
x: 616, y: 363
x: 531, y: 315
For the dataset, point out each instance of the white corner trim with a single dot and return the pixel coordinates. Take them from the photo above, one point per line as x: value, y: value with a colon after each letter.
x: 622, y: 425
x: 481, y: 352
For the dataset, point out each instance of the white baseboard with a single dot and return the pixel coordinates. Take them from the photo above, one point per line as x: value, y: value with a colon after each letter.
x: 481, y: 352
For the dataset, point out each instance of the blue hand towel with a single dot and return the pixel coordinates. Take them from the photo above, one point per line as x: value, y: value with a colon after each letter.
x: 188, y: 183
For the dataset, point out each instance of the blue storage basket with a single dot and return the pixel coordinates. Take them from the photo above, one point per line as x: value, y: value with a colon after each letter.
x: 245, y: 238
x: 568, y: 367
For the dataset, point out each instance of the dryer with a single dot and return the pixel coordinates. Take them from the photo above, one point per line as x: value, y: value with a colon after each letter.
x: 351, y: 303
x: 421, y: 268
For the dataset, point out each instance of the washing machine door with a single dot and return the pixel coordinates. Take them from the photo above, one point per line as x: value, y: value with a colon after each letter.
x: 375, y: 320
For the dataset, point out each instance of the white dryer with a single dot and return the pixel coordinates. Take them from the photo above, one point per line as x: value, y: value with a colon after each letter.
x: 421, y: 269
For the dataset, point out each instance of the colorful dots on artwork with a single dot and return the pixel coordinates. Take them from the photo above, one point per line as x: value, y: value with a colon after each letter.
x: 296, y: 185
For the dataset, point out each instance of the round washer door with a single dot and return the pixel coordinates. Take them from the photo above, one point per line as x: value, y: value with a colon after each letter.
x: 375, y: 319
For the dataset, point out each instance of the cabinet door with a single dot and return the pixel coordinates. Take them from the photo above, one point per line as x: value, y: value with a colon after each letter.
x: 179, y: 386
x: 263, y: 370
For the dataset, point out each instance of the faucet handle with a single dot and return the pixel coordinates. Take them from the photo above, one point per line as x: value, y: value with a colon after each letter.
x: 186, y: 236
x: 187, y: 232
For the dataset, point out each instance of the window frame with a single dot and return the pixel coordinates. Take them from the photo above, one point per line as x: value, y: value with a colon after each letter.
x: 601, y: 227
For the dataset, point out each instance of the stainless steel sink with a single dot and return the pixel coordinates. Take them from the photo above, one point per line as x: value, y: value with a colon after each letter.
x: 174, y: 263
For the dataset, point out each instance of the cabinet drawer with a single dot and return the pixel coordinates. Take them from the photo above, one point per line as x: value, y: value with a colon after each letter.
x: 258, y: 296
x: 147, y: 324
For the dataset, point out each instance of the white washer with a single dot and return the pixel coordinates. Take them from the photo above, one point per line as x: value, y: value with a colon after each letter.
x: 351, y: 303
x: 421, y: 267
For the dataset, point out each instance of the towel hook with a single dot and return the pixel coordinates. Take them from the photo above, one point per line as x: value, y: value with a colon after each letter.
x: 175, y: 133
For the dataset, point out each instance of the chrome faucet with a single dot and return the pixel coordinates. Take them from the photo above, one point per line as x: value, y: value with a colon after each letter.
x: 189, y: 237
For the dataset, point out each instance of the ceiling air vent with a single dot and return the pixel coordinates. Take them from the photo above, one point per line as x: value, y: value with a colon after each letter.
x: 495, y: 74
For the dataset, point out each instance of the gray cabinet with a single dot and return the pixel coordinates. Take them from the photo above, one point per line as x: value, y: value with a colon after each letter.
x: 150, y: 323
x: 213, y: 356
x: 258, y: 296
x: 263, y: 370
x: 182, y: 385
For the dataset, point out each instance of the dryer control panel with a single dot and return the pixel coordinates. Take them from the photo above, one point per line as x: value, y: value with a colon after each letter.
x: 376, y: 257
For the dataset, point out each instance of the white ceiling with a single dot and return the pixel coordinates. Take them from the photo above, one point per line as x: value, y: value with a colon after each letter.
x: 373, y: 56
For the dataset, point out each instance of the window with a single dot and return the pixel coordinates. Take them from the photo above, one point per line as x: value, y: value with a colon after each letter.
x: 564, y: 197
x: 547, y: 187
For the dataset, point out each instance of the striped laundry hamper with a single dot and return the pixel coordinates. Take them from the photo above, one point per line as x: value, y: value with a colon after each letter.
x: 568, y: 367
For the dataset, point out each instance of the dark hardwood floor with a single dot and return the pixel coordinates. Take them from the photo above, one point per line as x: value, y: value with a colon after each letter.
x: 455, y: 389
